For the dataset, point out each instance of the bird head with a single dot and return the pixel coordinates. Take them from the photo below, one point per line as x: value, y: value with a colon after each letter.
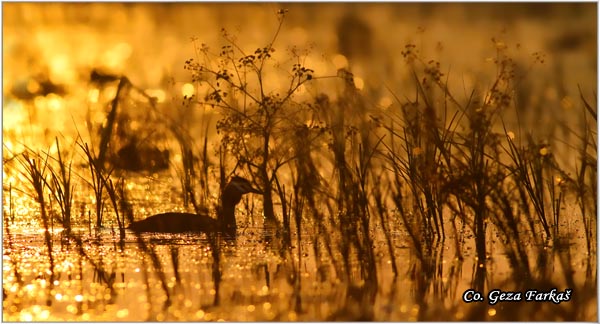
x: 239, y: 186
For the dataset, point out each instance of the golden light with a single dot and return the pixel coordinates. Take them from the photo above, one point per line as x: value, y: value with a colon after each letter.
x: 116, y: 56
x: 188, y: 90
x: 177, y: 158
x: 54, y: 102
x: 72, y: 309
x: 292, y: 316
x: 159, y: 94
x: 51, y: 51
x: 385, y: 102
x: 44, y: 314
x: 500, y: 45
x: 39, y: 102
x: 122, y: 313
x: 340, y: 61
x: 9, y: 146
x: 33, y: 86
x: 98, y: 117
x: 93, y: 95
x: 61, y: 70
x: 359, y: 83
x: 13, y: 115
x: 26, y: 316
x: 135, y: 125
x: 109, y: 92
x: 415, y: 310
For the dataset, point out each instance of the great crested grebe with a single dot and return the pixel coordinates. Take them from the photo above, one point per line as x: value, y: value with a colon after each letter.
x: 189, y: 222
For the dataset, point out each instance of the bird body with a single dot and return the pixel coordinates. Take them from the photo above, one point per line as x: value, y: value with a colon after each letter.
x: 175, y: 222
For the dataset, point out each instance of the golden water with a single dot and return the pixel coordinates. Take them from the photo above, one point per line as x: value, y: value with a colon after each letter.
x: 62, y: 43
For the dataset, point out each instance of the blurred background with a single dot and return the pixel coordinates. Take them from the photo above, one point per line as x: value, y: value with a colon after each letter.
x: 52, y: 47
x: 62, y: 62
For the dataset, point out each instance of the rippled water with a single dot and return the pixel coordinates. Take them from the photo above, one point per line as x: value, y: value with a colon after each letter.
x: 120, y: 283
x: 256, y: 284
x: 99, y: 277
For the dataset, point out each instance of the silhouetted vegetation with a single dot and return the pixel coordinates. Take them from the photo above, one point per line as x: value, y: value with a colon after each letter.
x: 345, y: 183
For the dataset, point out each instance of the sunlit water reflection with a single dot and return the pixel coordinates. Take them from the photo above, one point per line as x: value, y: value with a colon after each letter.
x: 49, y: 52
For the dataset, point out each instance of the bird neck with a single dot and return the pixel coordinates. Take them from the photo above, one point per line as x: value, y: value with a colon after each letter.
x: 227, y: 216
x: 229, y: 200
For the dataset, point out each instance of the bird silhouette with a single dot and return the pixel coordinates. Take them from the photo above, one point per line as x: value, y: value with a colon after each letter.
x: 175, y: 222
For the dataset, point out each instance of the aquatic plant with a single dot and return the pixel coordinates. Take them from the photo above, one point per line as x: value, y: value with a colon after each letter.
x: 98, y: 181
x: 62, y: 189
x: 377, y: 209
x: 251, y: 108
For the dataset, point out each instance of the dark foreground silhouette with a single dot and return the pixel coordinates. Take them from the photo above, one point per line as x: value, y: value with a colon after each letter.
x: 188, y: 222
